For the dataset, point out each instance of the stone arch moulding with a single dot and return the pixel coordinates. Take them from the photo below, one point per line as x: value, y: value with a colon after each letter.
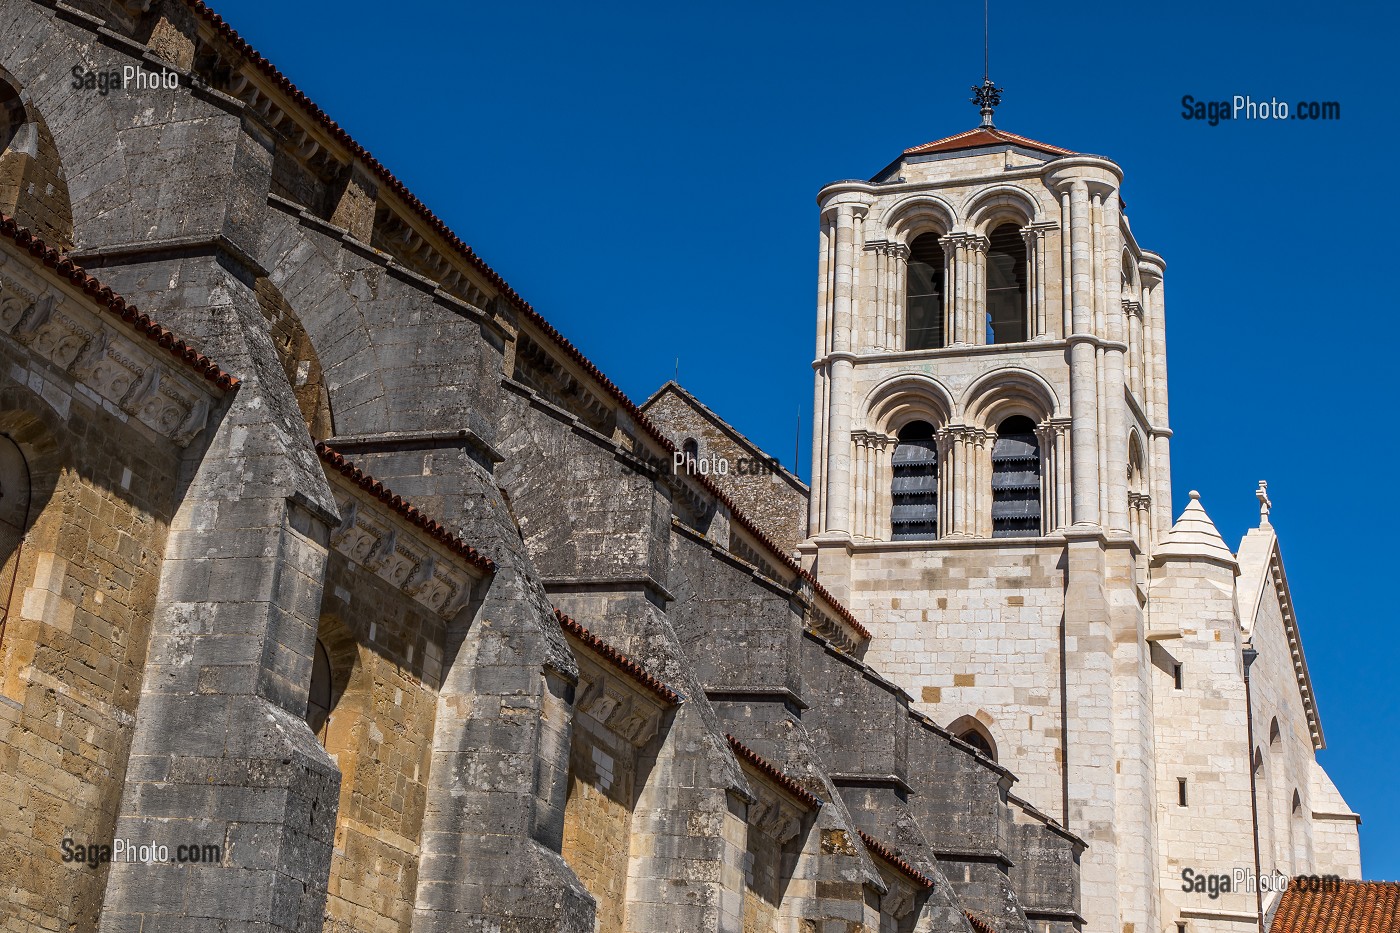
x: 909, y: 397
x: 999, y: 394
x: 33, y: 183
x: 920, y: 213
x: 965, y: 726
x: 1000, y: 204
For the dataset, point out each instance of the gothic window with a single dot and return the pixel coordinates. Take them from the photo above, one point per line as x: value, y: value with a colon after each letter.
x: 1006, y: 286
x: 1275, y: 735
x: 691, y: 449
x: 914, y: 489
x: 971, y: 730
x: 924, y: 317
x: 318, y: 703
x: 978, y: 741
x: 1297, y: 804
x: 1016, y: 480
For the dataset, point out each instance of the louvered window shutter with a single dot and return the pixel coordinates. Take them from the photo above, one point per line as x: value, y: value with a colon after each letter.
x: 1016, y: 480
x: 914, y: 488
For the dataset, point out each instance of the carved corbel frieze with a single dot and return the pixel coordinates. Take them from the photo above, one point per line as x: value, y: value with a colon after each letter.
x: 370, y: 538
x: 132, y: 381
x: 612, y: 702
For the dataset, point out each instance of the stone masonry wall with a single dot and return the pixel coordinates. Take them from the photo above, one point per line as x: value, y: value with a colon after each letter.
x: 79, y: 597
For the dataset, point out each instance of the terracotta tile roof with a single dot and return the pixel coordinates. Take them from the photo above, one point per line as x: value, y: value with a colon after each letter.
x: 978, y: 924
x: 107, y: 300
x: 520, y: 304
x: 893, y: 857
x: 399, y: 504
x: 774, y: 773
x: 1341, y: 907
x: 619, y: 660
x: 984, y: 137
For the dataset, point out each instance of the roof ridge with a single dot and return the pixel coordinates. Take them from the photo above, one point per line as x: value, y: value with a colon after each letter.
x: 991, y: 135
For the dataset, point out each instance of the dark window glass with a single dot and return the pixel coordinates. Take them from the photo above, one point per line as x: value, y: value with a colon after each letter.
x: 924, y: 318
x: 1181, y: 792
x: 1006, y: 286
x: 914, y: 488
x: 1016, y: 480
x: 978, y: 741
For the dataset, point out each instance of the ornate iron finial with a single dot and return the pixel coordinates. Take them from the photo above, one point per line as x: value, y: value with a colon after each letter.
x: 988, y: 97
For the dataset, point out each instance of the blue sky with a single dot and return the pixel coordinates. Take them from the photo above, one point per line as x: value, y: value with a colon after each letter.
x: 645, y: 175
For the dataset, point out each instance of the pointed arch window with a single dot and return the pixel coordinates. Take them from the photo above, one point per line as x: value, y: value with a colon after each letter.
x: 924, y: 294
x: 914, y: 487
x: 1016, y: 480
x: 1007, y: 308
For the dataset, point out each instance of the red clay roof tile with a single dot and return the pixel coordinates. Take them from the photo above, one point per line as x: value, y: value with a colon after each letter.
x: 984, y: 137
x: 894, y: 858
x: 1316, y: 906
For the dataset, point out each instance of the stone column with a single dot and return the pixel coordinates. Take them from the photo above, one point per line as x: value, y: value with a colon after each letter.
x: 1037, y: 276
x: 838, y: 454
x: 1115, y: 386
x: 1066, y: 264
x: 1133, y: 313
x: 1154, y: 310
x: 947, y: 459
x: 977, y: 318
x: 1045, y: 435
x: 882, y: 297
x: 882, y: 476
x: 954, y: 294
x: 1084, y: 436
x: 984, y: 441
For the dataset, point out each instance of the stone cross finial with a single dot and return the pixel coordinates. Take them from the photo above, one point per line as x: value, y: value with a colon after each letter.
x: 1262, y: 494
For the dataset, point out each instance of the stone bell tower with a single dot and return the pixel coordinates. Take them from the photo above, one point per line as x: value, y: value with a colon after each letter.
x: 991, y: 469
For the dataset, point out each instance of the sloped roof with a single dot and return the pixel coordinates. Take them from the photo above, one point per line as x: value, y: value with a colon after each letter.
x: 984, y: 136
x: 1195, y: 535
x: 1343, y: 907
x: 672, y: 387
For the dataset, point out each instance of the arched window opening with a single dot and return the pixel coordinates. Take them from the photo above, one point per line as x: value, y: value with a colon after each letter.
x: 691, y: 449
x: 1297, y: 804
x: 914, y: 488
x: 1016, y: 480
x: 971, y: 730
x: 318, y: 703
x: 924, y: 313
x: 979, y: 742
x: 1258, y: 762
x: 1275, y: 736
x: 1006, y: 286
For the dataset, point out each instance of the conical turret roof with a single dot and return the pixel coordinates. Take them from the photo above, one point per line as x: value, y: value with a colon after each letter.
x: 1195, y: 535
